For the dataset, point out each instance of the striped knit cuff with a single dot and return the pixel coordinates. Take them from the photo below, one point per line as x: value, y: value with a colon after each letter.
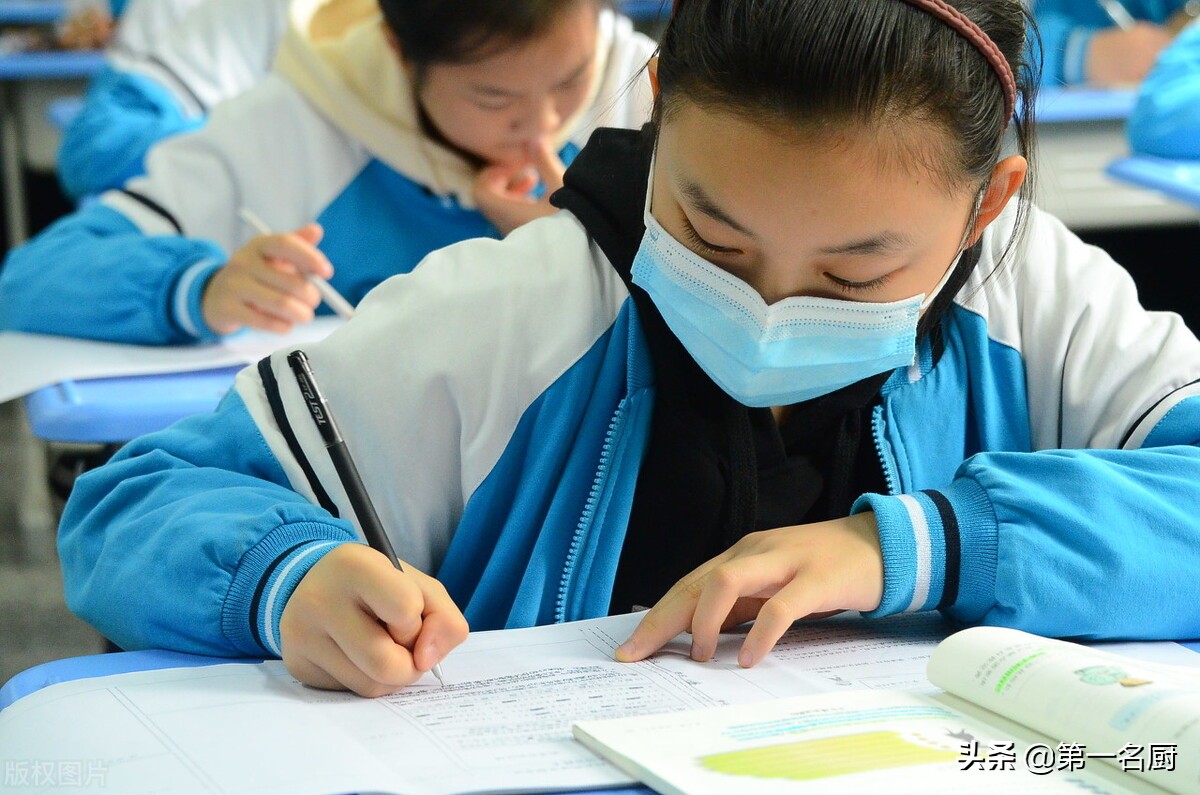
x: 185, y: 304
x: 979, y: 532
x: 1074, y: 60
x: 925, y: 537
x: 265, y: 579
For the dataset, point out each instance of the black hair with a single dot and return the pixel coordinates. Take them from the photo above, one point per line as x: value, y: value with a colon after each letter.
x: 879, y: 63
x: 461, y: 31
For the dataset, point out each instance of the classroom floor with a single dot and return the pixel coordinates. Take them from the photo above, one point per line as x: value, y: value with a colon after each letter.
x: 35, y: 624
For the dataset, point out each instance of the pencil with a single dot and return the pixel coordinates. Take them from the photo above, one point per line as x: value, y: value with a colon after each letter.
x: 331, y: 296
x: 1118, y: 13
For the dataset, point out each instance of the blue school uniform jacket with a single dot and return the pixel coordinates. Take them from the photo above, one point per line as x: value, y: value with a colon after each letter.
x: 331, y: 136
x: 162, y: 78
x: 1042, y: 472
x: 1166, y: 121
x: 1067, y: 27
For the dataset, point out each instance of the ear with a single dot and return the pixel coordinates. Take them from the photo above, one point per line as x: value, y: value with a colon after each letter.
x: 394, y: 46
x: 652, y: 71
x: 1007, y: 178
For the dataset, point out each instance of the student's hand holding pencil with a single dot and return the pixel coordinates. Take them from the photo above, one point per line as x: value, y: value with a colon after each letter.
x: 1119, y: 57
x: 503, y: 191
x: 355, y: 622
x: 774, y: 577
x: 265, y: 284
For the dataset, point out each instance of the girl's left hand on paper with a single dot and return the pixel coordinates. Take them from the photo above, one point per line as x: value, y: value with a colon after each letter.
x: 355, y: 622
x: 774, y: 577
x: 503, y: 191
x: 265, y: 284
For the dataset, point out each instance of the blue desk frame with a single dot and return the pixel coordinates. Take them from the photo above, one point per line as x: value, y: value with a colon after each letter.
x: 115, y: 410
x: 1072, y: 105
x: 31, y: 12
x: 1178, y: 179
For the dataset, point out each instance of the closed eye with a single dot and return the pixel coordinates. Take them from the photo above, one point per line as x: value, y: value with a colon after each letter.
x: 705, y: 247
x: 846, y: 284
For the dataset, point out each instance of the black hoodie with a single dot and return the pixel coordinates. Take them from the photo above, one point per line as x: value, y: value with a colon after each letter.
x: 714, y: 469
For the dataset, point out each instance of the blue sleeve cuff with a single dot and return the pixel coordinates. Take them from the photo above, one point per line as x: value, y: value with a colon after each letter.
x: 266, y: 578
x: 185, y: 303
x: 939, y: 547
x: 1074, y: 58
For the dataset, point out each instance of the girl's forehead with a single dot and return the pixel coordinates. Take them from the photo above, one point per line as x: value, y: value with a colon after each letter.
x: 771, y: 177
x: 727, y: 143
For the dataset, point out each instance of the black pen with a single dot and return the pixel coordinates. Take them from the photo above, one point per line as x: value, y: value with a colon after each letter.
x: 347, y: 472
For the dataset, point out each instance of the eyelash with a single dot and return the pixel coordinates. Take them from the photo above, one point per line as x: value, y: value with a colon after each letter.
x: 694, y: 237
x: 873, y: 284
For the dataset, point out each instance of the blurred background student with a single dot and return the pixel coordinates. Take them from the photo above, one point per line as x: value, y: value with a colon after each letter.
x: 386, y: 130
x: 165, y: 72
x: 1106, y: 42
x: 1166, y: 121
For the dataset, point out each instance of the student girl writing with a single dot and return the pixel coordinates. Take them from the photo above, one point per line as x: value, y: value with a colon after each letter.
x: 397, y: 133
x: 800, y: 346
x: 162, y: 82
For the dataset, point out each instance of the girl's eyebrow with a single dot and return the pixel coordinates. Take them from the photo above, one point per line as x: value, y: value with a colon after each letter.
x: 704, y: 203
x: 882, y: 243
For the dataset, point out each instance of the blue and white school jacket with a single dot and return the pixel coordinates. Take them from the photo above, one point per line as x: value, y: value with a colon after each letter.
x: 165, y: 72
x: 332, y: 136
x: 1067, y: 27
x: 1166, y: 121
x: 1042, y: 473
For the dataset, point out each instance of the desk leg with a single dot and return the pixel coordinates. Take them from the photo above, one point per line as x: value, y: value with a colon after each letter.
x: 23, y: 486
x: 15, y: 210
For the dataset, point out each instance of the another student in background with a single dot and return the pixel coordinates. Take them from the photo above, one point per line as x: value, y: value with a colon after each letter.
x: 162, y: 82
x: 1166, y: 121
x: 397, y: 134
x: 1105, y: 42
x: 803, y: 323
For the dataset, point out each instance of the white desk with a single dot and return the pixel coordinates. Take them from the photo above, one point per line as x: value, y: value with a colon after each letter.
x: 1080, y: 133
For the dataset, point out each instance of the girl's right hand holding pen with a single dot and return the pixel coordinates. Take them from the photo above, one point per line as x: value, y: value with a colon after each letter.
x: 265, y: 283
x: 355, y: 622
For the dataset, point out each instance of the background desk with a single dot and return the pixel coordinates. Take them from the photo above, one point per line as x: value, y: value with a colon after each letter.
x: 1177, y: 179
x: 1080, y: 132
x: 115, y: 410
x: 31, y: 12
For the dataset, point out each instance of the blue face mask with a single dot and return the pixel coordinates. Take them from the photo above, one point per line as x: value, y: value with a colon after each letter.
x: 793, y: 350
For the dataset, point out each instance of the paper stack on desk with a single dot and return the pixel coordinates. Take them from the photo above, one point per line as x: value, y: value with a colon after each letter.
x: 502, y: 723
x: 33, y: 361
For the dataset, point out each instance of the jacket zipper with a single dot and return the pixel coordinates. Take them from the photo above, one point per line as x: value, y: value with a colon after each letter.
x: 889, y: 469
x: 589, y: 512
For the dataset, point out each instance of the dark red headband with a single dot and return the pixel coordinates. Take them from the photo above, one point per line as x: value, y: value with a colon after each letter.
x: 966, y: 27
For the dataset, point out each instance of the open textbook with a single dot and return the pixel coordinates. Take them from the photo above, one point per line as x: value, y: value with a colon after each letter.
x: 1019, y: 713
x: 501, y: 724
